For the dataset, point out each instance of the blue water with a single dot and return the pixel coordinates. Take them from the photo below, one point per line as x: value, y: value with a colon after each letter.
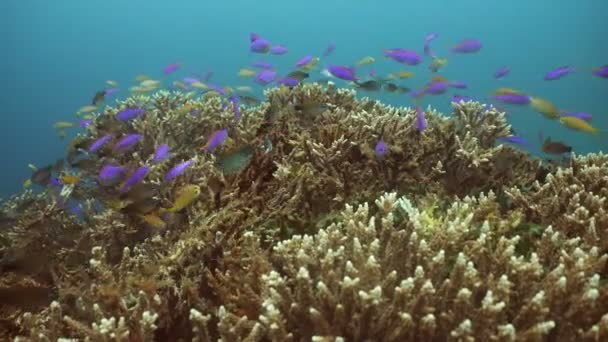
x: 57, y: 54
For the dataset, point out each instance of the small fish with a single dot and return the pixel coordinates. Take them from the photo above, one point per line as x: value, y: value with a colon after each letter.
x: 162, y: 153
x: 247, y: 72
x: 365, y: 61
x: 558, y: 73
x: 546, y: 108
x: 215, y: 139
x: 403, y: 56
x: 329, y: 49
x: 171, y: 68
x: 150, y: 84
x: 427, y: 44
x: 199, y: 85
x: 510, y: 98
x: 467, y: 46
x: 137, y: 176
x: 601, y: 71
x: 184, y: 197
x: 514, y: 139
x: 70, y: 179
x: 178, y: 170
x: 583, y: 116
x: 504, y: 91
x: 129, y: 113
x: 420, y: 119
x: 555, y: 147
x: 127, y: 142
x: 304, y: 61
x: 27, y: 183
x: 265, y: 77
x: 438, y: 64
x: 87, y: 109
x: 404, y: 74
x: 578, y: 124
x: 391, y: 87
x: 261, y: 65
x: 279, y: 50
x: 310, y: 108
x: 112, y: 84
x: 98, y: 98
x: 502, y: 72
x: 342, y: 72
x: 458, y: 85
x: 85, y: 123
x: 97, y: 144
x: 458, y: 98
x: 437, y: 87
x: 180, y: 85
x: 299, y: 75
x: 259, y: 45
x: 154, y: 220
x: 381, y: 149
x: 371, y: 85
x: 63, y: 125
x: 244, y: 89
x: 288, y: 81
x: 110, y: 172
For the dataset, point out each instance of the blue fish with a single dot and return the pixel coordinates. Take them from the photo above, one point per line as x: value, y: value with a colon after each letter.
x: 127, y: 142
x: 162, y: 153
x: 178, y: 170
x: 97, y: 144
x: 381, y: 149
x: 129, y: 113
x: 137, y: 176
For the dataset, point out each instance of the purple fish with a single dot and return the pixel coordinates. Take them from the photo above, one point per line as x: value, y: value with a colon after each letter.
x: 110, y: 91
x: 558, y: 73
x: 601, y: 71
x: 427, y: 44
x: 55, y: 182
x: 583, y: 116
x: 304, y: 61
x: 137, y: 176
x: 329, y: 49
x: 420, y: 119
x: 129, y: 113
x: 162, y: 152
x: 97, y: 144
x: 265, y: 76
x: 217, y: 88
x: 190, y: 80
x: 403, y: 56
x: 381, y: 149
x: 458, y: 85
x: 127, y: 142
x: 437, y: 87
x: 502, y: 72
x: 279, y: 50
x: 262, y: 65
x: 467, y: 46
x: 288, y: 81
x: 513, y: 139
x: 111, y: 172
x: 85, y: 123
x: 234, y: 99
x: 511, y: 98
x: 342, y: 72
x: 171, y: 68
x: 178, y: 170
x: 457, y: 98
x: 215, y: 139
x: 260, y: 45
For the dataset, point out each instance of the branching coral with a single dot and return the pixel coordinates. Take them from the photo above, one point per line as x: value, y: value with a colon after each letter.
x: 470, y: 240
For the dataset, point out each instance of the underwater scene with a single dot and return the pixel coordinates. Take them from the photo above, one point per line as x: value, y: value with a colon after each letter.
x: 304, y: 171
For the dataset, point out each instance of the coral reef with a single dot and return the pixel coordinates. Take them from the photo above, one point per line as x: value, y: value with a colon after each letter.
x: 302, y: 233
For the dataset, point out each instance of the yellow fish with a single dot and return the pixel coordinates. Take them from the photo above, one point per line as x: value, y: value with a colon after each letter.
x: 141, y: 78
x: 180, y: 85
x: 199, y: 85
x: 27, y: 183
x: 87, y: 109
x: 112, y: 83
x: 505, y: 91
x: 153, y: 220
x: 437, y: 64
x: 578, y: 124
x: 70, y: 179
x: 405, y: 74
x: 247, y: 72
x: 544, y: 107
x: 246, y: 89
x: 365, y: 61
x: 149, y: 83
x: 63, y: 125
x: 185, y: 196
x: 311, y: 64
x: 228, y: 90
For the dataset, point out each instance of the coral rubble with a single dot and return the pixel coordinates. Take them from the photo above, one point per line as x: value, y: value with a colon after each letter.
x: 302, y: 233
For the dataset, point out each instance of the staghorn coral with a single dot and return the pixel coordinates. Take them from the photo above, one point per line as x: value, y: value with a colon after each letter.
x: 473, y: 247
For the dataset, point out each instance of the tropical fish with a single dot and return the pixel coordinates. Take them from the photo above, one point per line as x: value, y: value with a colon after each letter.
x: 365, y: 61
x: 141, y: 78
x: 299, y: 75
x: 245, y: 89
x: 63, y: 125
x: 111, y: 83
x: 514, y: 139
x: 404, y: 74
x: 171, y: 68
x: 558, y: 73
x: 180, y: 85
x: 70, y: 179
x: 149, y: 83
x: 137, y: 176
x: 578, y: 124
x: 437, y: 64
x: 265, y: 77
x: 288, y: 81
x: 467, y: 46
x: 381, y: 149
x: 42, y: 176
x: 97, y: 144
x: 583, y: 116
x: 458, y: 84
x: 371, y: 85
x: 278, y: 50
x: 510, y: 98
x: 437, y: 87
x: 304, y: 61
x: 215, y: 139
x: 161, y: 153
x: 247, y: 72
x: 249, y: 100
x: 458, y: 98
x: 342, y: 72
x: 234, y: 99
x: 427, y: 44
x: 259, y: 45
x: 601, y: 71
x: 502, y: 72
x: 178, y: 170
x: 87, y: 109
x: 111, y: 172
x: 129, y: 113
x: 199, y: 85
x: 504, y: 90
x: 403, y: 56
x: 184, y: 197
x: 98, y: 98
x: 546, y: 108
x: 555, y: 147
x: 127, y: 142
x: 153, y: 220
